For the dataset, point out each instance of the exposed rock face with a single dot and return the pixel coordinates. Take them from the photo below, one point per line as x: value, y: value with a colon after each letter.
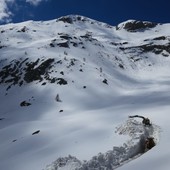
x: 66, y: 19
x: 22, y: 71
x: 63, y: 44
x: 33, y: 74
x: 133, y: 26
x: 157, y: 49
x: 70, y: 19
x: 154, y: 48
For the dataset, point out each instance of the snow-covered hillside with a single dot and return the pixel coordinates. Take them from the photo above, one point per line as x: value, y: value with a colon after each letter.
x: 67, y: 87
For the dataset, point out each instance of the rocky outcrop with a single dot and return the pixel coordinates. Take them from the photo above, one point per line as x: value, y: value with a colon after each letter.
x: 154, y: 48
x: 66, y: 19
x: 19, y: 72
x: 133, y: 25
x: 72, y: 18
x: 33, y: 74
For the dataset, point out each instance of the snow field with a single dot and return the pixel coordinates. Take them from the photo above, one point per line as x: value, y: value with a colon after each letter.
x: 83, y: 123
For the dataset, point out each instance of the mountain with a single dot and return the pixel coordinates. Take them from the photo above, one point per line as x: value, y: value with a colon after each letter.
x: 69, y: 83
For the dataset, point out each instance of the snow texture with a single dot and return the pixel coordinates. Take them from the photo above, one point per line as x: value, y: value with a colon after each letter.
x: 118, y: 156
x: 68, y: 83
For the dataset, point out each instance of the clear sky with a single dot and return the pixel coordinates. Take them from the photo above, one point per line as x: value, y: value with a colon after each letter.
x: 108, y: 11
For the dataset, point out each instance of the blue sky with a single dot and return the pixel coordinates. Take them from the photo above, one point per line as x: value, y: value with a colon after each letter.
x: 108, y: 11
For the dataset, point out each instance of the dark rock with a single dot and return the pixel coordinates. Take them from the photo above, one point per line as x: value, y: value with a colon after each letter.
x: 2, y: 118
x: 14, y: 140
x: 61, y: 81
x: 74, y: 44
x: 149, y: 143
x: 66, y: 37
x: 24, y: 29
x: 61, y: 72
x: 8, y: 88
x: 24, y: 103
x: 133, y: 26
x: 43, y: 83
x: 87, y: 36
x: 79, y: 18
x: 66, y: 19
x: 105, y: 81
x: 160, y: 38
x: 64, y: 44
x: 13, y: 70
x: 57, y: 98
x: 36, y: 132
x: 72, y: 62
x: 125, y: 43
x: 52, y: 45
x: 21, y: 63
x: 2, y: 46
x: 157, y: 49
x: 33, y: 74
x: 61, y: 111
x: 21, y: 83
x: 53, y: 80
x: 59, y: 62
x: 165, y: 55
x: 121, y: 66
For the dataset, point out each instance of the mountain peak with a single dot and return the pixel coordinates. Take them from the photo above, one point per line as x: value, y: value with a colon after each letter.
x: 134, y: 25
x: 73, y: 18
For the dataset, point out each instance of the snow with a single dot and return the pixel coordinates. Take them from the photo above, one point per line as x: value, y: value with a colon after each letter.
x: 87, y: 121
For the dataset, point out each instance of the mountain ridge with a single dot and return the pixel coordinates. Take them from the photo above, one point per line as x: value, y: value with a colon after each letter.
x: 71, y: 81
x: 81, y: 35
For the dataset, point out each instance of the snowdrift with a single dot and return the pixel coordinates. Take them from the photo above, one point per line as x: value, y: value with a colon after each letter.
x: 112, y: 159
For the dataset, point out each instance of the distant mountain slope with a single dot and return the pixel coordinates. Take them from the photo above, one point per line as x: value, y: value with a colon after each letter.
x: 67, y: 83
x: 30, y: 50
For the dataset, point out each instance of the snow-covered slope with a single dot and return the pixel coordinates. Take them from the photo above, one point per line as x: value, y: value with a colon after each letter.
x: 66, y: 84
